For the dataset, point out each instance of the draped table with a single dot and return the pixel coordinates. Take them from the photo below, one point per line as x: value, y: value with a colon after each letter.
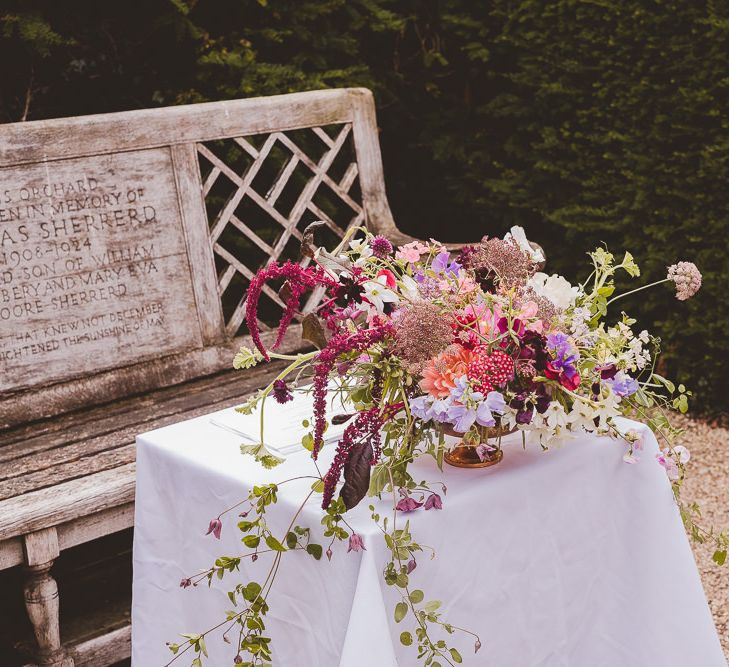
x: 569, y: 558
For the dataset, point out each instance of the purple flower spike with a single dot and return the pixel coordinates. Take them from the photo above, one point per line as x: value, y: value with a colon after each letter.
x: 408, y: 505
x: 434, y: 502
x: 356, y: 543
x: 216, y: 525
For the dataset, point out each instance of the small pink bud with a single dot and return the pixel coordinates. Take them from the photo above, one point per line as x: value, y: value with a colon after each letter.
x: 356, y: 543
x: 411, y: 565
x: 254, y: 558
x: 184, y: 583
x: 329, y: 553
x: 434, y: 502
x: 477, y: 646
x: 408, y: 505
x: 216, y: 525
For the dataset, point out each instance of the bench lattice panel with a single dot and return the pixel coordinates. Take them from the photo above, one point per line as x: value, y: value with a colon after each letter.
x: 261, y: 191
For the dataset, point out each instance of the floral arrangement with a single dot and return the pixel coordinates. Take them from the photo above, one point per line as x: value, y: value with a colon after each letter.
x: 421, y: 343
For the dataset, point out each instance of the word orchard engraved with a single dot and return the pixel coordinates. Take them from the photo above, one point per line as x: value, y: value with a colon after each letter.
x: 93, y: 266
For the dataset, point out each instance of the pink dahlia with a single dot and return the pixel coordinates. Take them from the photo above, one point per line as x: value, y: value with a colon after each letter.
x: 440, y: 373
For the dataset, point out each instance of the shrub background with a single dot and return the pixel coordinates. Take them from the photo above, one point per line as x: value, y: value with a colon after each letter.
x: 585, y: 122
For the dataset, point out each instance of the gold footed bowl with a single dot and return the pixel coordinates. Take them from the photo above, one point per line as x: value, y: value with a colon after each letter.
x: 466, y: 456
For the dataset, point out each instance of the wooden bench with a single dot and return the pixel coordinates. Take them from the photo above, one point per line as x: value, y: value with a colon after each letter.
x: 126, y: 244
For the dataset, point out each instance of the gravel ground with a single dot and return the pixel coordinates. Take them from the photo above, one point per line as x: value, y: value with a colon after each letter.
x: 707, y: 483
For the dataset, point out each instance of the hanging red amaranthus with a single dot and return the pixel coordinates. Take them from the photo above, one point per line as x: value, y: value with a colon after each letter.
x: 300, y: 280
x: 365, y: 430
x: 339, y: 344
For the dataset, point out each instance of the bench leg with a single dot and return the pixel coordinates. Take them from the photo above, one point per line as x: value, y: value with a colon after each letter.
x: 41, y: 598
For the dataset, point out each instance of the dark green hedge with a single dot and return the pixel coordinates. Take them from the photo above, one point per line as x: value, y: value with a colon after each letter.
x: 583, y: 121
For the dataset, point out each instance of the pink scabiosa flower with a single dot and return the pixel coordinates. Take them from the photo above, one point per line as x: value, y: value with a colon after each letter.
x: 381, y: 247
x: 687, y: 278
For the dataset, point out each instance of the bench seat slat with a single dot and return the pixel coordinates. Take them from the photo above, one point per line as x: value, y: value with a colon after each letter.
x: 45, y: 468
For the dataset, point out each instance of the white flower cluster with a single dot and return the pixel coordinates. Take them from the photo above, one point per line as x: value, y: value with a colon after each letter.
x: 556, y: 424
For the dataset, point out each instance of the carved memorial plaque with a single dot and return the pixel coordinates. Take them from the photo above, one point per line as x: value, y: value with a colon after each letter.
x: 94, y: 271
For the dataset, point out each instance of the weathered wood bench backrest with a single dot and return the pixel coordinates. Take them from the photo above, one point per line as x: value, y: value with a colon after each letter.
x: 127, y: 240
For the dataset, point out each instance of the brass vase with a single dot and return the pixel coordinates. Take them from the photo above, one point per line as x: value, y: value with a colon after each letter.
x: 465, y: 456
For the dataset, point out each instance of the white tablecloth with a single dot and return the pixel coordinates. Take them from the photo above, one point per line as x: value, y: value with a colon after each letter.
x: 570, y: 558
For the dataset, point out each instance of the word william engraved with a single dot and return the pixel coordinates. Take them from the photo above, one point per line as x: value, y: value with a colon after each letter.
x: 93, y: 266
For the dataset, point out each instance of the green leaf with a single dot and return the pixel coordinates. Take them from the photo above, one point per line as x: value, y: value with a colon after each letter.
x: 291, y: 540
x: 406, y: 638
x: 456, y: 656
x: 251, y: 591
x: 318, y: 486
x: 401, y: 611
x: 251, y: 541
x: 314, y: 550
x: 416, y: 596
x: 274, y: 544
x: 307, y: 442
x: 432, y: 606
x: 719, y: 556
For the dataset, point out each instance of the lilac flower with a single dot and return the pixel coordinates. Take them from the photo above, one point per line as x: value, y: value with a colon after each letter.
x: 408, y: 505
x: 216, y: 525
x: 434, y: 502
x: 355, y: 543
x: 428, y: 407
x: 441, y: 264
x: 622, y: 384
x: 469, y: 407
x: 281, y: 392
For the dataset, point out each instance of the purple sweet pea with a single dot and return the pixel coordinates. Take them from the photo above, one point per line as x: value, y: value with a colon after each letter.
x: 216, y: 525
x: 441, y: 264
x: 408, y: 505
x: 434, y: 502
x: 622, y: 384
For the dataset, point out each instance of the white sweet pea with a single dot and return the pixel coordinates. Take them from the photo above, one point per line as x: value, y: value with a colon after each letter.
x: 378, y: 294
x: 518, y: 236
x: 555, y: 288
x: 362, y: 248
x: 582, y: 416
x: 684, y: 456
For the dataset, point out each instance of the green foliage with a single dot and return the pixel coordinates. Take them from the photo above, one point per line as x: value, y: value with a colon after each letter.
x: 581, y: 121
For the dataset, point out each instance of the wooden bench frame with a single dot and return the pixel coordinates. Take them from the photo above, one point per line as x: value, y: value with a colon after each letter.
x: 36, y: 526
